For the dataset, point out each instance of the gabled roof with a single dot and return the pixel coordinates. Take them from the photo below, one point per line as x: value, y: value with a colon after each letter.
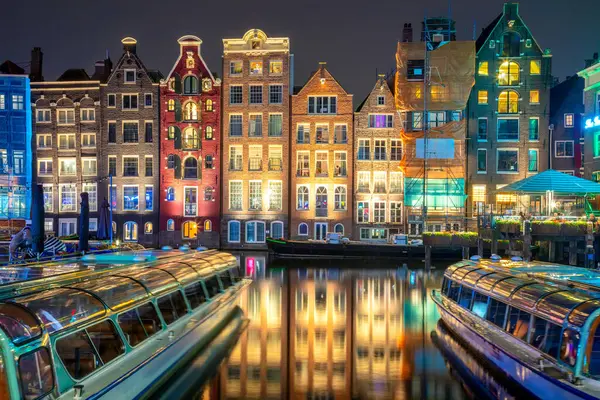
x: 314, y: 74
x: 190, y: 40
x: 555, y: 181
x: 486, y: 32
x: 155, y: 75
x: 563, y: 93
x: 387, y: 83
x: 10, y: 68
x: 74, y: 74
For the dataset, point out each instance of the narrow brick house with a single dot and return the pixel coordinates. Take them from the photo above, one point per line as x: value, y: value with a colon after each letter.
x: 190, y: 100
x: 129, y: 146
x: 321, y: 151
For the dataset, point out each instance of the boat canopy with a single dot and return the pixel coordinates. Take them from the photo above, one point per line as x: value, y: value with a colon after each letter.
x: 117, y: 292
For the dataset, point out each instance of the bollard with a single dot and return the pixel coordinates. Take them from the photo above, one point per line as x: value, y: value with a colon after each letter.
x: 495, y: 237
x: 480, y: 247
x: 427, y: 257
x: 572, y: 252
x: 465, y: 252
x: 551, y: 251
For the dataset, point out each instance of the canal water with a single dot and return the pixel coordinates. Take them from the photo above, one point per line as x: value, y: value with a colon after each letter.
x: 346, y: 330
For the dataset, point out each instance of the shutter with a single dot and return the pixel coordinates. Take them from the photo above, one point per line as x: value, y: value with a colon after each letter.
x: 177, y: 138
x: 177, y: 87
x: 178, y: 116
x: 199, y: 169
x: 177, y: 167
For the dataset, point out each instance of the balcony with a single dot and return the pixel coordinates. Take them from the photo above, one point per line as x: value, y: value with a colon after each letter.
x: 255, y: 164
x: 321, y: 212
x: 275, y: 164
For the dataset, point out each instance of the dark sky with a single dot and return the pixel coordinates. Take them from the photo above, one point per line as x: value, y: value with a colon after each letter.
x: 354, y: 37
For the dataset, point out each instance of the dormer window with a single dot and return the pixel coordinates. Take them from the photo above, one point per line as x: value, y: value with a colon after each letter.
x: 130, y: 76
x: 415, y: 70
x: 381, y: 100
x: 255, y: 44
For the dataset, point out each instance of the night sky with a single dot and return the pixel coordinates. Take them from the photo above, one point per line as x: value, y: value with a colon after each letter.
x: 355, y: 37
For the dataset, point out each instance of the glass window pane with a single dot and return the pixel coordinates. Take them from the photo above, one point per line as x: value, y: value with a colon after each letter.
x: 212, y: 284
x: 195, y: 294
x: 465, y: 297
x: 106, y: 340
x: 77, y: 354
x: 568, y: 347
x: 546, y: 336
x: 149, y: 318
x: 479, y: 306
x: 18, y: 324
x: 172, y: 307
x: 132, y: 327
x: 518, y: 323
x: 117, y: 292
x: 35, y: 371
x: 497, y: 313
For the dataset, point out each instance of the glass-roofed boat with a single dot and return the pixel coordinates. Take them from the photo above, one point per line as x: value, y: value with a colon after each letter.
x: 114, y: 329
x: 544, y: 335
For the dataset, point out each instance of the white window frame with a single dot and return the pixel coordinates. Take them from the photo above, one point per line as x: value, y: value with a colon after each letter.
x: 251, y: 183
x: 123, y: 157
x: 88, y: 159
x: 307, y: 194
x: 329, y: 97
x: 256, y: 223
x: 123, y: 198
x: 66, y: 110
x: 125, y: 71
x: 93, y: 225
x: 47, y: 141
x: 564, y: 143
x: 537, y: 160
x: 93, y: 206
x: 369, y: 216
x: 130, y: 95
x: 347, y: 197
x: 44, y: 160
x: 307, y: 229
x: 60, y: 197
x: 47, y: 116
x: 88, y: 136
x: 239, y: 223
x: 277, y: 60
x: 282, y: 229
x: 51, y: 191
x: 231, y: 63
x: 108, y: 96
x: 84, y: 111
x: 477, y: 162
x: 508, y: 140
x: 49, y: 221
x: 270, y: 192
x: 145, y: 203
x: 59, y: 166
x: 229, y: 195
x: 518, y: 157
x: 67, y: 221
x: 398, y: 207
x: 67, y: 136
x: 184, y: 202
x: 487, y: 133
x: 380, y: 103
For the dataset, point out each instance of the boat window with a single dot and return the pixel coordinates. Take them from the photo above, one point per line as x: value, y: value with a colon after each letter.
x: 582, y: 312
x: 506, y: 287
x: 479, y: 306
x: 60, y: 308
x: 235, y: 273
x: 466, y: 295
x: 116, y: 291
x: 518, y: 323
x: 212, y: 284
x: 445, y: 286
x: 568, y: 347
x: 557, y: 306
x: 149, y: 317
x: 172, y: 306
x: 195, y: 294
x: 155, y: 280
x: 225, y: 279
x: 18, y: 324
x: 497, y: 313
x: 139, y: 323
x: 546, y: 336
x: 4, y: 393
x: 106, y: 340
x: 593, y: 366
x: 35, y: 374
x: 454, y: 291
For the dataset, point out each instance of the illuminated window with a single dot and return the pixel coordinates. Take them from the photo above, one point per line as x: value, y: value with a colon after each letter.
x: 418, y: 92
x: 209, y: 105
x: 483, y: 68
x: 130, y: 231
x: 208, y: 225
x: 170, y: 225
x: 235, y: 195
x: 438, y: 93
x: 417, y: 121
x: 171, y: 105
x: 191, y: 139
x: 364, y: 181
x: 533, y: 160
x: 208, y: 133
x: 507, y: 161
x: 508, y: 102
x: 256, y: 67
x: 395, y: 182
x: 379, y: 212
x: 569, y: 120
x: 340, y: 198
x: 379, y: 178
x: 322, y: 163
x: 534, y: 97
x: 479, y: 193
x: 395, y: 149
x: 535, y: 67
x: 534, y: 128
x: 508, y: 74
x: 302, y: 196
x: 189, y: 230
x: 190, y: 111
x: 275, y: 67
x: 131, y: 199
x: 395, y: 212
x: 148, y: 228
x: 362, y: 212
x: 171, y: 132
x: 235, y: 67
x: 303, y: 133
x: 303, y: 163
x: 436, y: 118
x: 190, y: 197
x: 482, y: 97
x: 275, y: 194
x: 170, y: 194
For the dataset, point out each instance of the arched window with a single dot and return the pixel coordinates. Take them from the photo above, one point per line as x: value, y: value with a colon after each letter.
x: 302, y: 198
x: 170, y: 225
x: 190, y: 111
x: 209, y: 161
x: 189, y: 230
x: 190, y: 139
x: 208, y: 194
x: 114, y: 227
x: 190, y: 168
x: 171, y: 133
x: 208, y: 225
x: 148, y: 228
x: 339, y: 228
x: 255, y: 232
x: 511, y: 44
x: 170, y: 193
x: 508, y: 74
x: 233, y: 231
x: 208, y: 133
x: 190, y: 85
x: 508, y: 102
x: 130, y: 231
x: 277, y: 230
x: 303, y: 229
x: 340, y: 198
x: 170, y: 161
x: 171, y: 105
x: 321, y: 202
x: 209, y: 105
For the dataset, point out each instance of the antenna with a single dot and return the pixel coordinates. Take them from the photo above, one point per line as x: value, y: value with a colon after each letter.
x: 474, y: 29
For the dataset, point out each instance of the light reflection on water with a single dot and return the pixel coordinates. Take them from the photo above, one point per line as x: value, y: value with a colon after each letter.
x: 334, y: 333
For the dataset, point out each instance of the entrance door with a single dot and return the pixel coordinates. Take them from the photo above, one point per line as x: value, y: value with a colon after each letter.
x: 320, y: 230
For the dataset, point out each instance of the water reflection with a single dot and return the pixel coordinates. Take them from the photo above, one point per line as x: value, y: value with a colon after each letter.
x: 336, y: 333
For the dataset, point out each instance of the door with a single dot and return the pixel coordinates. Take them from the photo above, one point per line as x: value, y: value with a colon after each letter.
x: 320, y: 230
x: 67, y: 226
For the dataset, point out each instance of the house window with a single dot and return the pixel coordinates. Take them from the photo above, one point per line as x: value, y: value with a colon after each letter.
x: 533, y: 160
x: 362, y: 210
x: 256, y: 94
x: 302, y: 196
x: 67, y: 166
x: 340, y: 198
x: 148, y: 132
x: 569, y: 118
x: 508, y: 74
x: 190, y: 111
x: 255, y: 232
x: 190, y: 205
x: 303, y: 164
x: 190, y: 85
x: 170, y: 225
x: 88, y: 140
x: 482, y: 97
x: 303, y: 229
x: 479, y: 199
x: 190, y: 168
x: 235, y: 158
x: 67, y: 226
x: 66, y: 117
x: 438, y: 93
x: 208, y: 106
x: 256, y: 67
x: 379, y: 181
x: 381, y: 121
x: 379, y: 212
x: 322, y: 163
x: 208, y: 133
x: 111, y: 100
x: 414, y: 70
x: 148, y: 228
x: 322, y: 105
x: 89, y: 166
x: 43, y: 116
x: 482, y: 129
x: 4, y: 163
x: 395, y: 182
x: 209, y: 161
x: 255, y: 158
x: 45, y: 167
x: 92, y: 190
x: 170, y: 161
x: 395, y: 149
x: 48, y: 225
x: 277, y: 230
x: 275, y: 123
x: 508, y: 161
x: 171, y: 105
x: 364, y: 181
x: 303, y: 134
x: 235, y: 94
x: 275, y: 194
x: 534, y: 129
x: 148, y: 100
x: 130, y: 102
x: 129, y: 76
x: 17, y: 102
x: 235, y: 125
x: 130, y: 231
x: 436, y: 118
x: 68, y: 197
x: 535, y: 67
x: 563, y: 148
x: 112, y: 165
x: 275, y: 158
x: 88, y: 115
x: 340, y: 134
x: 275, y: 94
x: 508, y: 102
x: 235, y: 195
x: 395, y: 212
x: 534, y: 97
x: 233, y: 231
x: 235, y: 67
x: 511, y: 44
x: 481, y: 161
x: 255, y: 197
x: 508, y: 129
x: 379, y: 153
x: 149, y: 198
x: 170, y: 194
x: 340, y: 164
x: 322, y: 133
x: 130, y: 132
x: 417, y: 121
x: 18, y: 162
x: 112, y: 132
x: 66, y: 141
x: 130, y: 166
x: 44, y: 141
x: 191, y: 139
x: 364, y: 149
x: 275, y: 67
x: 255, y: 125
x: 130, y: 198
x: 483, y: 68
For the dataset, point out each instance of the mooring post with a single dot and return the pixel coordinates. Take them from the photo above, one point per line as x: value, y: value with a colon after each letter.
x: 495, y: 237
x: 527, y: 240
x: 427, y: 257
x: 551, y: 251
x: 480, y: 246
x: 465, y: 252
x: 572, y: 252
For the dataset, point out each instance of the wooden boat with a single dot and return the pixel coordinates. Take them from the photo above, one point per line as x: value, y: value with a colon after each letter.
x: 123, y: 331
x: 542, y: 335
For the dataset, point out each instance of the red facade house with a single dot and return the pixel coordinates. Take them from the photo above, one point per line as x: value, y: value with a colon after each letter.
x: 189, y: 161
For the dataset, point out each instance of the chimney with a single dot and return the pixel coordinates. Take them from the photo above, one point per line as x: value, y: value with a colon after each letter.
x: 592, y: 61
x: 322, y: 66
x: 129, y: 44
x: 407, y: 33
x: 37, y: 58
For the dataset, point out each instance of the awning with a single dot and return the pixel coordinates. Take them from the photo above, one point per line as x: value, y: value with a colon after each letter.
x: 551, y: 180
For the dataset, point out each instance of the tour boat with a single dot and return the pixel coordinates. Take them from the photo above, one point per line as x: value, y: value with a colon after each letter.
x: 122, y: 331
x: 543, y: 335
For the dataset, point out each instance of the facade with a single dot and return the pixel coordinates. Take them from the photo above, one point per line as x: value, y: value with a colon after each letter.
x: 378, y: 179
x: 190, y: 99
x: 591, y: 119
x: 129, y: 144
x: 321, y: 149
x: 67, y: 133
x: 566, y: 126
x: 15, y: 146
x: 508, y: 113
x: 257, y: 71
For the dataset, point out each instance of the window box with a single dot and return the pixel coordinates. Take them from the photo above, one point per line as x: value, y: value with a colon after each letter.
x: 575, y: 228
x: 437, y: 239
x: 545, y: 228
x: 508, y: 226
